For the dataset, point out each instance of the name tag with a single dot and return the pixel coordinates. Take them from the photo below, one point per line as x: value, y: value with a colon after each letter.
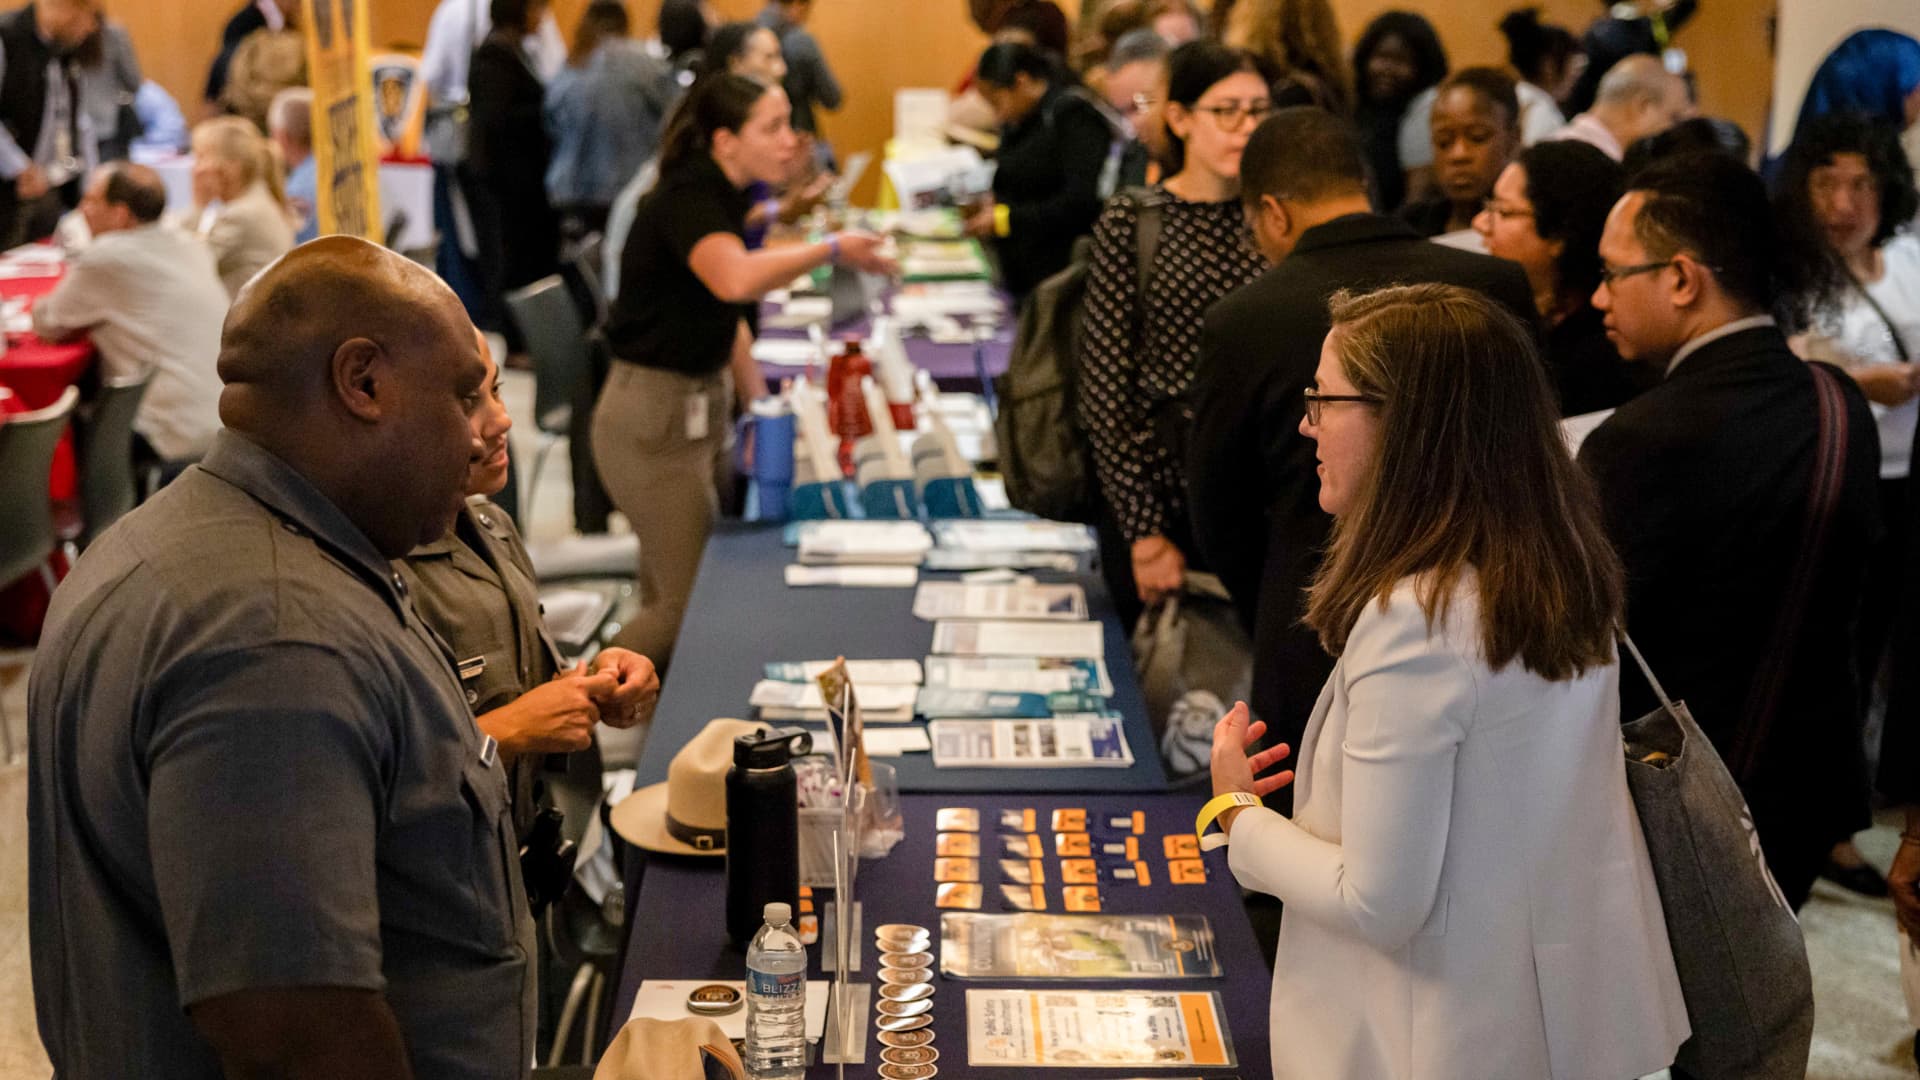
x: 472, y: 669
x: 489, y: 751
x: 697, y: 415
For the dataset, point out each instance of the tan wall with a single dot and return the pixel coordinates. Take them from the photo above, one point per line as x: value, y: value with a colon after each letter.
x: 878, y: 46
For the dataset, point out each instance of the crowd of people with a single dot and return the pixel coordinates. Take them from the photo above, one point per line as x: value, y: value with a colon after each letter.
x: 1339, y: 302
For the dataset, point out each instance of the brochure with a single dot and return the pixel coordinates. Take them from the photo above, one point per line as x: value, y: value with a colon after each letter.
x: 1020, y: 674
x: 779, y: 701
x: 940, y: 701
x: 1064, y: 742
x: 1032, y: 945
x: 1083, y: 1029
x: 1072, y: 640
x: 937, y: 600
x: 954, y: 559
x: 852, y: 577
x: 863, y: 672
x: 1014, y: 535
x: 902, y: 543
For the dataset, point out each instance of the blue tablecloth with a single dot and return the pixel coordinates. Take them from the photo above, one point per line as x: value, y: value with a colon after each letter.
x: 679, y: 933
x: 742, y: 615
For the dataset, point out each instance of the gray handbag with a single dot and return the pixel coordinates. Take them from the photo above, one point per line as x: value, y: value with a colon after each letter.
x: 1736, y: 943
x: 1194, y: 661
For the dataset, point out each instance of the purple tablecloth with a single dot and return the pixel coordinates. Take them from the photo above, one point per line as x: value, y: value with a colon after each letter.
x: 953, y: 367
x: 678, y: 930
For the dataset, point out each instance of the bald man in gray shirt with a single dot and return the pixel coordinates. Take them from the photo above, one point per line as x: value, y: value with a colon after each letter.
x: 266, y: 837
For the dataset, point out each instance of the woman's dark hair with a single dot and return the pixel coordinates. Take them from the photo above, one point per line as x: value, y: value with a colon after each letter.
x: 719, y: 102
x: 1192, y: 70
x: 1532, y: 45
x: 728, y: 44
x: 1044, y: 20
x: 1700, y: 133
x: 1472, y: 481
x: 1429, y: 56
x: 1491, y: 83
x: 683, y: 28
x: 511, y: 15
x: 1572, y: 186
x: 1001, y: 63
x: 602, y: 20
x: 1823, y: 139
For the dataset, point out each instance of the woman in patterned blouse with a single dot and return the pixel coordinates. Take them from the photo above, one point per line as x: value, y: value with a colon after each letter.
x: 1138, y: 347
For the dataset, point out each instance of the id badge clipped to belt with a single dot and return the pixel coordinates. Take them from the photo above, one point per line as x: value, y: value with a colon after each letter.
x: 698, y: 422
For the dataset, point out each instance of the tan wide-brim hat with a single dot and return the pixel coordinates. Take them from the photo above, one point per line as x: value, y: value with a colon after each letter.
x: 687, y: 815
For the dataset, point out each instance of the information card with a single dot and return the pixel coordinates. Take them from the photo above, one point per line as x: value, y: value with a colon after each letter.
x: 1082, y: 1029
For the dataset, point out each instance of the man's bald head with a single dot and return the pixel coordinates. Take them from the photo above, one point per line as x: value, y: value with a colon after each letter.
x: 359, y: 369
x: 1639, y: 97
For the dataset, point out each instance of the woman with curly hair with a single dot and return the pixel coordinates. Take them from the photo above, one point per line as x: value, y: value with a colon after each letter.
x: 1300, y: 41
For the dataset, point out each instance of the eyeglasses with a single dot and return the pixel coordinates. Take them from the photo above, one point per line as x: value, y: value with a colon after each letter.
x: 1496, y: 211
x: 1233, y: 113
x: 1315, y: 400
x: 1610, y: 275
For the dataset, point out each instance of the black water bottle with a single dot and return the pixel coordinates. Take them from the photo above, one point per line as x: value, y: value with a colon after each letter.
x: 763, y: 828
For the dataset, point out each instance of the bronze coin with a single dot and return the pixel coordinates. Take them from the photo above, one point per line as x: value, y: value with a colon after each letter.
x: 907, y: 993
x: 899, y: 930
x: 903, y: 1008
x: 903, y: 1023
x: 916, y: 1055
x: 909, y: 1072
x: 906, y: 961
x: 715, y: 999
x: 905, y: 977
x: 904, y: 948
x: 906, y: 1039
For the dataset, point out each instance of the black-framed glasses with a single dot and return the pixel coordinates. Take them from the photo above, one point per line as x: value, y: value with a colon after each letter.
x: 1233, y: 113
x: 1610, y: 275
x: 1498, y: 210
x: 1315, y: 400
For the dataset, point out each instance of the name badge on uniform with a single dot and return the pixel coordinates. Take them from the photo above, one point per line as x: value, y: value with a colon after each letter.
x: 697, y: 415
x: 472, y: 669
x: 489, y: 751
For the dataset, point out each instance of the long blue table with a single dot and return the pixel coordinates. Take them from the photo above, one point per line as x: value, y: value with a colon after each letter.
x: 742, y: 615
x: 678, y: 932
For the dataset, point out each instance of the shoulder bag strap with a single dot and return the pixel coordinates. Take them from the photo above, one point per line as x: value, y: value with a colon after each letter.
x: 1899, y: 345
x: 1823, y: 495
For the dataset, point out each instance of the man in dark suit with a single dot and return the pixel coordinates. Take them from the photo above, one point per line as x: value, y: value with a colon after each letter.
x: 1705, y: 481
x: 1251, y: 474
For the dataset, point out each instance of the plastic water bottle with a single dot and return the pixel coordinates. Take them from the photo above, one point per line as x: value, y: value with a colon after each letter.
x: 777, y: 999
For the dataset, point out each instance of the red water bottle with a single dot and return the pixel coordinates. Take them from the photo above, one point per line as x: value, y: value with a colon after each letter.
x: 846, y: 405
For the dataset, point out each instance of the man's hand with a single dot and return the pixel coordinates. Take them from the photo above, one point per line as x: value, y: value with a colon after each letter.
x: 636, y: 687
x: 1236, y: 770
x: 1159, y: 568
x: 556, y: 718
x: 1903, y: 878
x: 980, y: 223
x: 31, y: 184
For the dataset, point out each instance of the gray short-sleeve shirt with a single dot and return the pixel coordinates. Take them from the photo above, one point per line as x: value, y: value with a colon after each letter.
x: 252, y: 765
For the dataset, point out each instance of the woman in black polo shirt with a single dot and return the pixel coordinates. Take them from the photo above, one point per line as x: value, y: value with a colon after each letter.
x: 679, y: 332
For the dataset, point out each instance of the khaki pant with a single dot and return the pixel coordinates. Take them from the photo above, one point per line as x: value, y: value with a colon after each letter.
x: 665, y: 473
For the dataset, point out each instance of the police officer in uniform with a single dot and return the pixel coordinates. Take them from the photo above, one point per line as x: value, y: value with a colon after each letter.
x: 476, y: 587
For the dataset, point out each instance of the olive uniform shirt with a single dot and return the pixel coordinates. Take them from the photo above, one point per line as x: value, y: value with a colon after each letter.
x: 252, y: 766
x: 476, y: 588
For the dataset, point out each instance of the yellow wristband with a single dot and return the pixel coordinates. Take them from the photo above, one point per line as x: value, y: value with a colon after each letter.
x: 1216, y: 806
x: 1002, y: 219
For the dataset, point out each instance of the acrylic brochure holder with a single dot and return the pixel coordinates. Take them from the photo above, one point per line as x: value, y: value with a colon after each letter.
x: 819, y: 492
x: 942, y: 477
x: 881, y: 468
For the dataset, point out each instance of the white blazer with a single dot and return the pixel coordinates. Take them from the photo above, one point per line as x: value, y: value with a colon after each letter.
x: 1468, y: 894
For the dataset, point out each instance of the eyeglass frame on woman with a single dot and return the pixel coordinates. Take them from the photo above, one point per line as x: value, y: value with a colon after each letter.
x: 1315, y: 400
x: 1230, y: 115
x: 1496, y: 211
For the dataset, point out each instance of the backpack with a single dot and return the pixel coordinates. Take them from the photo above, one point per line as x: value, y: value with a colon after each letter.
x: 1043, y: 451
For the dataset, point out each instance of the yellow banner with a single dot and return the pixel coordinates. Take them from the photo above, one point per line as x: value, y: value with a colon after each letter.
x: 344, y: 147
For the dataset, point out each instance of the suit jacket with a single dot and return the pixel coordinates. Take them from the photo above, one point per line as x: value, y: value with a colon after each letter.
x: 247, y: 234
x: 1467, y: 888
x: 1250, y: 473
x: 1704, y: 481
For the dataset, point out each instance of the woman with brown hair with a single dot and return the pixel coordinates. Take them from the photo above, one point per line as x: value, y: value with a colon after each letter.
x: 1299, y: 40
x: 1468, y: 892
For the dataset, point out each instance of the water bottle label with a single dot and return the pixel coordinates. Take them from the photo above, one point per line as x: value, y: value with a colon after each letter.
x: 768, y: 984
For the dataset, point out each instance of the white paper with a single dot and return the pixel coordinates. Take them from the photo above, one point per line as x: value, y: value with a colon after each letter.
x: 659, y: 999
x: 937, y: 600
x: 1014, y: 536
x: 1575, y: 429
x: 1064, y: 742
x: 1096, y: 1028
x: 853, y: 577
x: 785, y: 352
x: 864, y: 673
x: 894, y: 542
x: 1074, y: 641
x: 1020, y: 674
x: 880, y: 697
x: 892, y: 742
x: 949, y: 559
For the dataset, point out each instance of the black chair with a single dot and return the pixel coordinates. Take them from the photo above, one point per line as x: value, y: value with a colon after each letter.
x: 548, y: 319
x: 108, y: 486
x: 27, y: 535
